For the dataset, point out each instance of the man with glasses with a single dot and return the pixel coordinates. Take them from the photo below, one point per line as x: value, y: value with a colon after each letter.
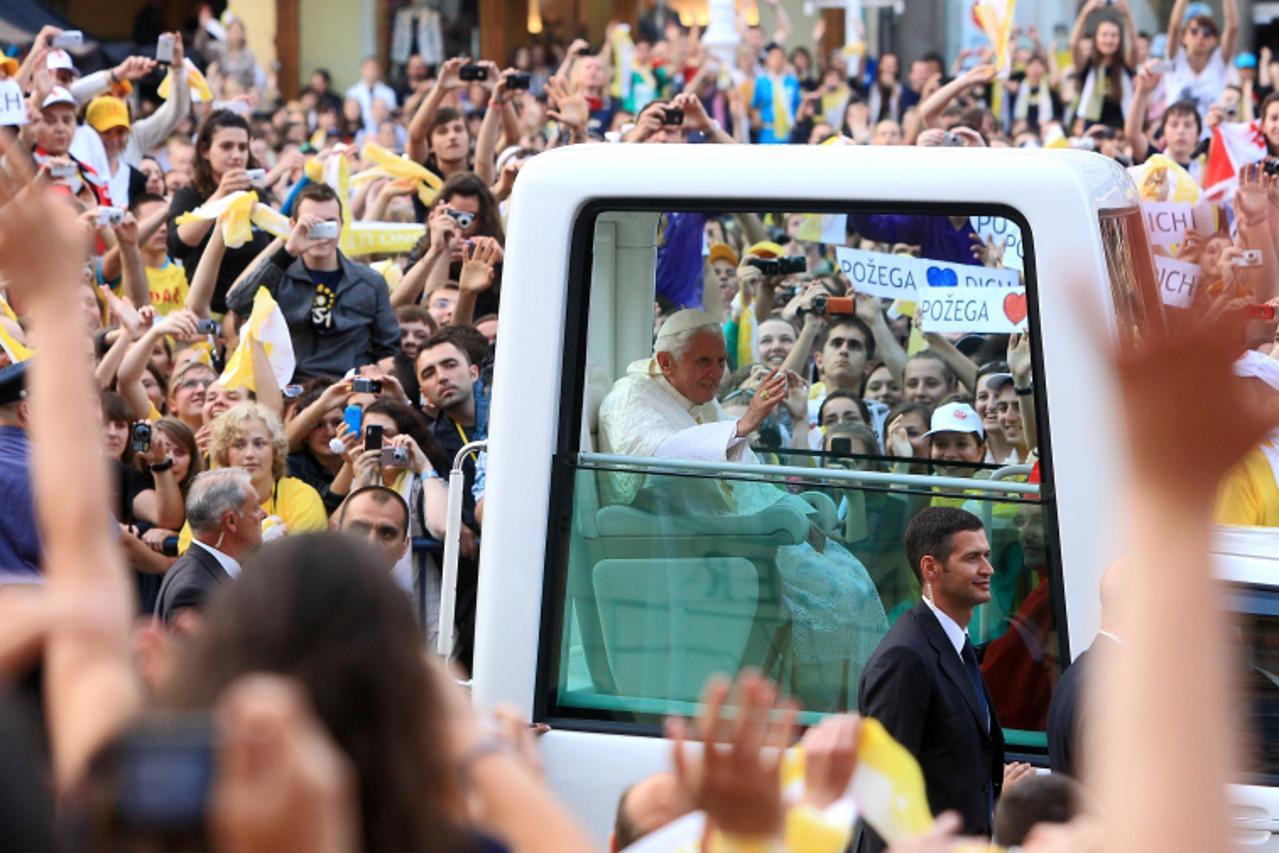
x: 1199, y: 53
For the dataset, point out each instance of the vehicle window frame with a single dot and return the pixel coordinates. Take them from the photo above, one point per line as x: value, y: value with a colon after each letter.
x: 572, y: 384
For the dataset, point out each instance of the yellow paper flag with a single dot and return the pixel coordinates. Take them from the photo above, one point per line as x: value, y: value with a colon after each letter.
x: 888, y: 786
x: 15, y: 349
x: 200, y: 92
x: 996, y: 20
x: 390, y: 271
x: 428, y: 183
x: 266, y: 324
x: 1161, y: 179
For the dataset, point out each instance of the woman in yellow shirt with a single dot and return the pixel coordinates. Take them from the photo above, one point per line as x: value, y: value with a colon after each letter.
x: 251, y: 437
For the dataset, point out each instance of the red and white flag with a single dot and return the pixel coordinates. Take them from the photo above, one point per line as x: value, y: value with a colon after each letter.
x: 1233, y: 146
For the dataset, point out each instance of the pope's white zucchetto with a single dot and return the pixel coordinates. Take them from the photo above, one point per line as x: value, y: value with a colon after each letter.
x: 687, y: 320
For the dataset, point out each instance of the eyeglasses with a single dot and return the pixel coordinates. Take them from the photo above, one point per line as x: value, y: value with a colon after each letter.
x: 195, y: 383
x: 1202, y: 31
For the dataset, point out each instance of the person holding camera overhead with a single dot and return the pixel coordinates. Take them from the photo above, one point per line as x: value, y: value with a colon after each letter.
x: 338, y: 311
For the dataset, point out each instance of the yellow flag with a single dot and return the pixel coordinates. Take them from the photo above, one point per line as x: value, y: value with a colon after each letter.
x: 15, y: 349
x: 428, y: 183
x: 390, y: 271
x: 1161, y: 179
x: 266, y: 324
x: 200, y: 92
x: 888, y: 786
x: 996, y: 19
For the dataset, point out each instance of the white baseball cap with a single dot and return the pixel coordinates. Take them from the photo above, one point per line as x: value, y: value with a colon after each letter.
x: 58, y: 95
x: 60, y: 60
x: 1256, y: 365
x: 956, y: 417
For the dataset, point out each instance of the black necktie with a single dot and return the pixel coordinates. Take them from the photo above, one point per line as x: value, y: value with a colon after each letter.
x: 969, y: 654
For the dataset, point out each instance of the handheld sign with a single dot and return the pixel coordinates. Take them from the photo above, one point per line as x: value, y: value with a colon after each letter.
x: 13, y: 107
x: 1177, y: 281
x: 1167, y: 221
x: 946, y: 274
x: 879, y: 274
x: 968, y: 310
x: 1003, y: 231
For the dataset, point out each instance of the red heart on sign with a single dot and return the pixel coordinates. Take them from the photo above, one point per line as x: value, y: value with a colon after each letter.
x: 1015, y: 307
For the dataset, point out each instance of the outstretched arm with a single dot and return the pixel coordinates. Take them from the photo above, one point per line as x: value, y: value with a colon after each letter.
x: 90, y: 686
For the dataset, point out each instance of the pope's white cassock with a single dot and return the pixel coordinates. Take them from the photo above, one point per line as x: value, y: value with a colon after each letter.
x: 837, y: 616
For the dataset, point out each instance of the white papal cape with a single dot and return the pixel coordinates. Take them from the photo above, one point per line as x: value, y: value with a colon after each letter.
x: 836, y: 612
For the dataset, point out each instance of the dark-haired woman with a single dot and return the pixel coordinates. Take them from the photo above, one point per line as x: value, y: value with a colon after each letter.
x: 222, y: 159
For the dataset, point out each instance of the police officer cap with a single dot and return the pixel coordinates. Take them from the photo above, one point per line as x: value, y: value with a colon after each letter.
x: 13, y: 383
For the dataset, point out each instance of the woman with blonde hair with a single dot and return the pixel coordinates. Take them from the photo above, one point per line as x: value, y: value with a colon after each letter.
x: 250, y: 436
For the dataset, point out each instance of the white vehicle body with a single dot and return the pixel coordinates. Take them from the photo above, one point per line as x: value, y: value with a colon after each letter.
x: 1059, y: 195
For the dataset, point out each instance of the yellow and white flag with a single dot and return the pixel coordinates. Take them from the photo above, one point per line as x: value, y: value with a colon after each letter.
x: 266, y: 324
x: 237, y: 213
x: 200, y: 92
x: 888, y: 786
x: 995, y: 17
x: 15, y: 349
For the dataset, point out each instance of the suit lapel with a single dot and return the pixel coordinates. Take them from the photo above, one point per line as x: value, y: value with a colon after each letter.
x: 953, y: 667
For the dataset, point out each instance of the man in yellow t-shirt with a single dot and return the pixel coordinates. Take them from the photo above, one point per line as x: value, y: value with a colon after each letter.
x: 1249, y: 496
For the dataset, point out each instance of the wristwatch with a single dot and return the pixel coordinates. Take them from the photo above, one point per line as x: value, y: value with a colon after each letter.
x: 1024, y: 392
x: 160, y: 467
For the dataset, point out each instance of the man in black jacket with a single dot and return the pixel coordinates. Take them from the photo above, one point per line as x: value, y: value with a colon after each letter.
x: 226, y: 526
x: 338, y: 311
x: 923, y: 682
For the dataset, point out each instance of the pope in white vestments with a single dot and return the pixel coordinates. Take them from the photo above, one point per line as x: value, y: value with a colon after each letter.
x: 666, y: 407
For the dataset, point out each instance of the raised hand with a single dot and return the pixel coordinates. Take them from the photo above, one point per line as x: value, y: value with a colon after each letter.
x: 737, y: 781
x: 771, y: 393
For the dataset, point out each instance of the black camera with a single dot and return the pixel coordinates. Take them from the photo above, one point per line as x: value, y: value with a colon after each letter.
x: 140, y: 437
x: 473, y: 72
x: 1271, y: 166
x: 206, y: 327
x: 768, y: 436
x: 169, y: 547
x: 159, y: 775
x: 364, y: 385
x: 841, y: 446
x: 780, y: 266
x: 519, y: 80
x: 672, y: 116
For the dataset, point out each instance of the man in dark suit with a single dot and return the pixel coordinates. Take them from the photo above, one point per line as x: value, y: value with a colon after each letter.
x: 226, y: 526
x: 1067, y: 711
x: 923, y: 682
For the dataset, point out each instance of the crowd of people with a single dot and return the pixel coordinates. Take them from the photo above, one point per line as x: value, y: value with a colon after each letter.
x: 170, y: 230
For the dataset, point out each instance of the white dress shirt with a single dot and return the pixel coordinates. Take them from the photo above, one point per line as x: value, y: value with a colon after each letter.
x: 954, y: 633
x: 228, y: 563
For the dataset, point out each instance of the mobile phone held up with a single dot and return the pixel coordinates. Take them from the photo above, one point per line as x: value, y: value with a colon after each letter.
x: 473, y: 72
x: 164, y: 49
x: 364, y: 385
x: 373, y: 437
x: 67, y: 39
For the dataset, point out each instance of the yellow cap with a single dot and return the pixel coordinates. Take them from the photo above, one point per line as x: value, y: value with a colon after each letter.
x: 722, y: 252
x: 106, y: 112
x: 10, y: 65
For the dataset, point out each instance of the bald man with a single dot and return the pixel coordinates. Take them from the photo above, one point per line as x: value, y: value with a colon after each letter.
x: 646, y: 807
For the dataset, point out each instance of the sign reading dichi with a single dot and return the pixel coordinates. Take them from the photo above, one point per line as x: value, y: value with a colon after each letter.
x: 13, y: 107
x: 879, y: 274
x: 968, y: 310
x: 1167, y: 221
x: 1178, y: 281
